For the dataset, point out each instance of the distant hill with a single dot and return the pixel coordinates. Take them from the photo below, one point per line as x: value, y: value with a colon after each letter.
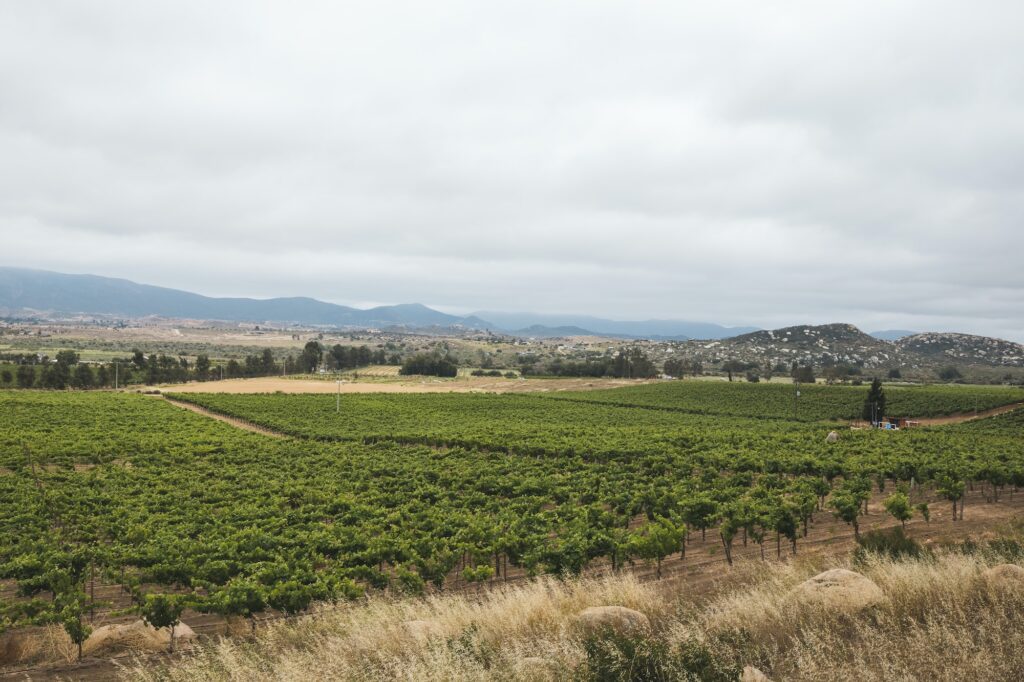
x: 810, y: 337
x: 641, y: 329
x: 845, y: 344
x: 540, y: 331
x: 959, y: 348
x: 891, y: 334
x: 38, y: 291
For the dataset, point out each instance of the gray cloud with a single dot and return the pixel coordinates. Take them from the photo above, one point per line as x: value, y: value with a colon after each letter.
x: 741, y: 162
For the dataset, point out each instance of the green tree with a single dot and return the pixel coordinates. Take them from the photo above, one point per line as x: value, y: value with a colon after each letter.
x: 951, y: 488
x: 731, y: 366
x: 727, y: 531
x: 163, y: 611
x: 71, y: 609
x: 312, y: 355
x: 675, y: 367
x: 292, y: 596
x: 241, y: 597
x: 656, y: 540
x: 26, y: 376
x: 950, y: 373
x: 83, y: 376
x: 269, y: 366
x: 803, y: 374
x: 846, y: 505
x: 874, y: 404
x: 699, y: 511
x: 898, y: 506
x: 67, y: 358
x: 429, y: 365
x: 478, y: 574
x: 784, y: 522
x: 202, y: 367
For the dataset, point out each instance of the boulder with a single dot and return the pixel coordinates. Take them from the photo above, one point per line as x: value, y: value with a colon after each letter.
x: 618, y: 618
x: 423, y: 630
x: 752, y: 674
x: 137, y: 635
x: 832, y: 437
x: 1004, y: 576
x: 838, y: 589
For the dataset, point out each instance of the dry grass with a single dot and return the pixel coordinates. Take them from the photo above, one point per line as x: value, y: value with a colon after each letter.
x: 940, y: 621
x: 38, y: 645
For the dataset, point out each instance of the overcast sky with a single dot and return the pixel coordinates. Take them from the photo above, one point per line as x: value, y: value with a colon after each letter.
x: 735, y: 162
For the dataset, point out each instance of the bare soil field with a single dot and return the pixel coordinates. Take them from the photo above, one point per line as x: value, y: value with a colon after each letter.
x: 399, y: 385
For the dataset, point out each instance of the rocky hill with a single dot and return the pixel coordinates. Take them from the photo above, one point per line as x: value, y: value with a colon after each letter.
x: 844, y: 344
x: 962, y: 348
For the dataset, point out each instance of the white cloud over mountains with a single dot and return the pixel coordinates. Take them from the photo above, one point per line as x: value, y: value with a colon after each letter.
x: 737, y: 162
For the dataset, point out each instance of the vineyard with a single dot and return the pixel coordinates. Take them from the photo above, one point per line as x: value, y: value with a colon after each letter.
x: 414, y: 492
x: 816, y: 401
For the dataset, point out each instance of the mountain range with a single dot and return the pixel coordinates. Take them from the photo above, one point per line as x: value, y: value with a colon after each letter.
x: 28, y: 292
x: 539, y: 325
x: 25, y: 291
x: 45, y: 294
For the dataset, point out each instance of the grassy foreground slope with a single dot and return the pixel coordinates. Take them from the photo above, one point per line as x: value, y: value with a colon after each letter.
x: 939, y: 618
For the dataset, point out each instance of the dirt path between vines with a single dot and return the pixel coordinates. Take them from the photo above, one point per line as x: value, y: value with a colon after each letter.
x: 956, y: 418
x: 961, y: 417
x: 233, y: 421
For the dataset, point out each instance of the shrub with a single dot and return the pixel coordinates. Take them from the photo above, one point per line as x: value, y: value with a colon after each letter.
x: 430, y: 365
x: 615, y: 657
x: 892, y: 543
x: 950, y: 373
x: 999, y: 549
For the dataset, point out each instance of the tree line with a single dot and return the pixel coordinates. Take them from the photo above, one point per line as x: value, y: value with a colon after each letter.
x: 632, y: 363
x: 67, y: 370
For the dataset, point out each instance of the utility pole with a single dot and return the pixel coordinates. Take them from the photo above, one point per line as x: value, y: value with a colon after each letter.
x: 796, y: 394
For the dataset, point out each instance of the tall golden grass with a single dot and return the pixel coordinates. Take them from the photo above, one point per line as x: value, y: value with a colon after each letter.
x: 940, y: 620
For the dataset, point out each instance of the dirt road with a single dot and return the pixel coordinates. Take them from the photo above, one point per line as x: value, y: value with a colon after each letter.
x: 969, y: 416
x: 237, y: 423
